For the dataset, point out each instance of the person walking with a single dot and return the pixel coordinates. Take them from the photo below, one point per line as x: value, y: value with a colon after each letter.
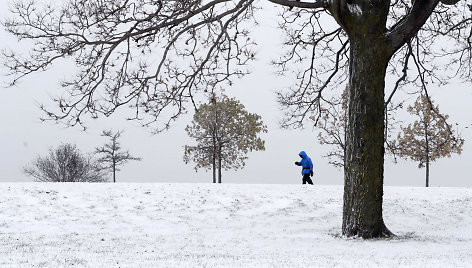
x: 307, y: 167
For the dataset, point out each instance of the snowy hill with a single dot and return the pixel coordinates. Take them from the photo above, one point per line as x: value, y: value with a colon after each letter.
x: 228, y: 225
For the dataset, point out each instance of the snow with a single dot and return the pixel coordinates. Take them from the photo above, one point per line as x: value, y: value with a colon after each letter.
x: 354, y: 9
x: 227, y: 225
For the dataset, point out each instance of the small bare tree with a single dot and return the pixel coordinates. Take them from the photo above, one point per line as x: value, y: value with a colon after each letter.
x: 332, y: 125
x: 65, y: 164
x: 112, y: 154
x: 428, y: 138
x: 225, y: 132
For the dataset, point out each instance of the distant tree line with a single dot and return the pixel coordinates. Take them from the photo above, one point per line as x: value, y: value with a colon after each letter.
x: 223, y: 130
x: 66, y: 163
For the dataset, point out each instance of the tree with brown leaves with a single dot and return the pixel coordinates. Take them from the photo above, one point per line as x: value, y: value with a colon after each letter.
x: 225, y: 132
x: 429, y: 138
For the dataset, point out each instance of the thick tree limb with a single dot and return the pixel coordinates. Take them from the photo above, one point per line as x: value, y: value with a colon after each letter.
x: 411, y: 23
x: 293, y: 3
x: 449, y: 2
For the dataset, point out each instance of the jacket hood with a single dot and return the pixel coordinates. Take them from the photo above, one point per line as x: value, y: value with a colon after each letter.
x: 302, y: 154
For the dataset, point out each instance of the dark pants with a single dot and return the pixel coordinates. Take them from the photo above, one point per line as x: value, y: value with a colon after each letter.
x: 306, y: 178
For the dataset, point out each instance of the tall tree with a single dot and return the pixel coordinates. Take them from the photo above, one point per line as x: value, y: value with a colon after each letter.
x: 225, y: 132
x: 65, y: 164
x: 159, y: 55
x: 112, y: 154
x: 428, y: 138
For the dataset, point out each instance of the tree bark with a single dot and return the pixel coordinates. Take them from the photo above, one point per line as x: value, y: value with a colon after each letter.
x: 363, y: 174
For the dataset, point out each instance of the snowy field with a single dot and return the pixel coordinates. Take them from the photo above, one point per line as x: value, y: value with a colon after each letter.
x: 228, y: 225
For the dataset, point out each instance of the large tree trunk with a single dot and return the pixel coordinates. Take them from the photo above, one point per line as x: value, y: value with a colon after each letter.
x: 363, y: 174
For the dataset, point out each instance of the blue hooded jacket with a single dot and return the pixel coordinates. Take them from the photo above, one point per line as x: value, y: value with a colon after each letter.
x: 307, y: 165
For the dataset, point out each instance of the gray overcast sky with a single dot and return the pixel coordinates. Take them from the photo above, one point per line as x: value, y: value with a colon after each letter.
x: 23, y: 136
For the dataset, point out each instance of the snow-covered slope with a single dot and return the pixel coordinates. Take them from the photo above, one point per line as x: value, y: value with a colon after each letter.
x: 205, y: 225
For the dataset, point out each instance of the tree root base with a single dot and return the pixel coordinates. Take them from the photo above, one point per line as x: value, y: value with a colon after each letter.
x: 384, y: 232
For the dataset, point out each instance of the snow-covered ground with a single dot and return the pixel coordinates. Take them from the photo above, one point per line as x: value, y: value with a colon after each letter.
x: 228, y: 225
